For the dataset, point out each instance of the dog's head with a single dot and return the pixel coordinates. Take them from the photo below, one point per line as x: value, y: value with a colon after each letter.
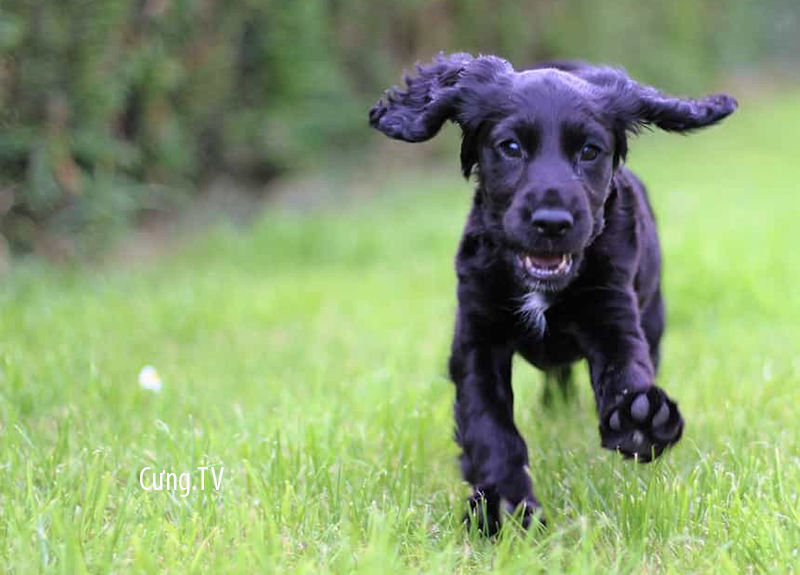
x: 546, y: 143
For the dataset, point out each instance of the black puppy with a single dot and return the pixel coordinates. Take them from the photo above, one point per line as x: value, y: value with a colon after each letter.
x: 559, y: 259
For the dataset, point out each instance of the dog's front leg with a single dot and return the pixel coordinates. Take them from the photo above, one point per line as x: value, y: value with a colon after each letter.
x: 495, y: 457
x: 636, y: 417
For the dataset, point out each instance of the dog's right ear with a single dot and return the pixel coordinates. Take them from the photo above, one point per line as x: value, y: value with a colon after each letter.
x: 454, y: 87
x: 416, y: 113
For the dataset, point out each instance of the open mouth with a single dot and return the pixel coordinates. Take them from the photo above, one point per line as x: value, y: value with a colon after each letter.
x: 545, y: 267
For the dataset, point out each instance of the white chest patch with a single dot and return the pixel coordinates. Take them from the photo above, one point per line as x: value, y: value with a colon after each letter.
x: 534, y: 304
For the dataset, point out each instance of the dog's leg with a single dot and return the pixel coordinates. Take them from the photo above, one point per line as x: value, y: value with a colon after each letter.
x: 495, y: 458
x: 558, y: 383
x: 636, y: 417
x: 653, y: 327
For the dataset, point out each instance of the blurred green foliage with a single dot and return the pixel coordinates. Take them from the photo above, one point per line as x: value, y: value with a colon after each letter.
x: 112, y: 109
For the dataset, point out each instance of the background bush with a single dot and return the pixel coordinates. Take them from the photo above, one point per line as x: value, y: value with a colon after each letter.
x: 112, y: 109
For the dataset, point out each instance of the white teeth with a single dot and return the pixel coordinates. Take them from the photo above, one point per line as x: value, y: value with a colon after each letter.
x: 540, y: 272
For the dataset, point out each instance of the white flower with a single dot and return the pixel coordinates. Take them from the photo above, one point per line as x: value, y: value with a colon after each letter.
x: 149, y: 378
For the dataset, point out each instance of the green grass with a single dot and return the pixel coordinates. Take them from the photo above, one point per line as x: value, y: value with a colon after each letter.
x: 307, y: 356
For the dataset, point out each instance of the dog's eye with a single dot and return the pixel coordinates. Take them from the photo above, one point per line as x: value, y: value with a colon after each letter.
x: 510, y: 148
x: 589, y: 153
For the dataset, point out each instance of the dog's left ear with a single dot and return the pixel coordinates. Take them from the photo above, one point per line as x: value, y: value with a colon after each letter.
x: 633, y: 106
x: 637, y: 105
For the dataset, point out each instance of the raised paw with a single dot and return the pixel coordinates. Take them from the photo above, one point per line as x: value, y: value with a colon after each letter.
x: 641, y: 424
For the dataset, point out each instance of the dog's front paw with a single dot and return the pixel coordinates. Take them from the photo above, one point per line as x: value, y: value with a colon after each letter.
x: 483, y: 512
x: 527, y: 512
x: 486, y: 510
x: 641, y: 424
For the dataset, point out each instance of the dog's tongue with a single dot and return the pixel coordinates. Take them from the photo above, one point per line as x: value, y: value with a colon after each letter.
x: 547, y: 261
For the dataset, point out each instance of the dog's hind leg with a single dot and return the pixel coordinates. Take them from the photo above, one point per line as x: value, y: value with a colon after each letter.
x: 558, y: 383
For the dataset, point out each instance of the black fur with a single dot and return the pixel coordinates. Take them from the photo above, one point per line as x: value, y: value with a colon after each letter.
x: 548, y: 147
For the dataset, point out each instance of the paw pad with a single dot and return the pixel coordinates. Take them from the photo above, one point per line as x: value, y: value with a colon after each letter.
x: 641, y: 425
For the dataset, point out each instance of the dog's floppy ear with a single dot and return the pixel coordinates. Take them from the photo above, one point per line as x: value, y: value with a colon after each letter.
x: 429, y: 99
x: 433, y: 96
x: 633, y: 105
x: 643, y: 105
x: 637, y: 105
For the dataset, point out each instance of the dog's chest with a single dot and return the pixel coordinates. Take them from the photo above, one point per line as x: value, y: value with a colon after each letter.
x: 533, y: 308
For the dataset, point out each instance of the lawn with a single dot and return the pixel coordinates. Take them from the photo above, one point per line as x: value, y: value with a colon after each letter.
x: 306, y: 355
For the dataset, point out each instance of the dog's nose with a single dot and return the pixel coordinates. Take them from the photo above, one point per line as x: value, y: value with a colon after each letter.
x: 552, y: 222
